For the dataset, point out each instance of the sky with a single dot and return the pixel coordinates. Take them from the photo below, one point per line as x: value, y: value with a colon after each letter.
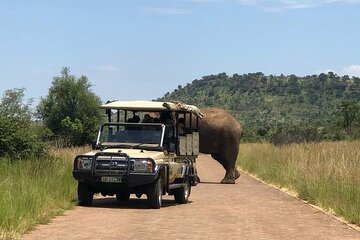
x: 141, y: 49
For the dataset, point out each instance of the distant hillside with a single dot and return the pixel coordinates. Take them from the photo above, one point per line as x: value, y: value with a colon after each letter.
x: 264, y: 104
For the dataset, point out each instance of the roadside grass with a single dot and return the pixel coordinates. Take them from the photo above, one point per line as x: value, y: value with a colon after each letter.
x: 35, y: 190
x: 326, y: 174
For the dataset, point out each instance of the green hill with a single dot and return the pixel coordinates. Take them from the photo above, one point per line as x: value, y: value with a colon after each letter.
x: 266, y: 105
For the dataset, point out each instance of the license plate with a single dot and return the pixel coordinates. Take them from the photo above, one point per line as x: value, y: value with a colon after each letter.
x: 111, y: 179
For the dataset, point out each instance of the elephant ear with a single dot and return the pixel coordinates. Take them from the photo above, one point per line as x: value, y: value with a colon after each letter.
x: 176, y: 106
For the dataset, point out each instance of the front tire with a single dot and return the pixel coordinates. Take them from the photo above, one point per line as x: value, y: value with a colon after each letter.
x: 182, y: 194
x: 85, y: 194
x: 154, y: 195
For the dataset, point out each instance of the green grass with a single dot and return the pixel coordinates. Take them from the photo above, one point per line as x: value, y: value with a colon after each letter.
x: 326, y: 174
x: 35, y: 190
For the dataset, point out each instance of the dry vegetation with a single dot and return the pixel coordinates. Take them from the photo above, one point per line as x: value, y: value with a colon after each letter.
x: 326, y: 173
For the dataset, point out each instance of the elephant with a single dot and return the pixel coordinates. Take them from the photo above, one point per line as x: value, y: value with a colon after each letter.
x: 220, y: 134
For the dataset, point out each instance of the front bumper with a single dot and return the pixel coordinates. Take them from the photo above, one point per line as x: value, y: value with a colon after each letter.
x: 113, y: 165
x: 130, y: 180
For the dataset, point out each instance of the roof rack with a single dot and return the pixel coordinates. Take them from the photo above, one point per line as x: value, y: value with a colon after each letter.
x: 152, y: 106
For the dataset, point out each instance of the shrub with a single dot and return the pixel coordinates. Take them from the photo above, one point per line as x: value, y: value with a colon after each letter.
x: 17, y: 138
x: 295, y: 134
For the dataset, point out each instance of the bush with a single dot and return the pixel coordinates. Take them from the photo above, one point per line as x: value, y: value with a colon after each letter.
x: 17, y: 138
x: 295, y: 134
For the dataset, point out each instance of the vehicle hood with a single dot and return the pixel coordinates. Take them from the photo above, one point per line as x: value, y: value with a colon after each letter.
x: 133, y: 153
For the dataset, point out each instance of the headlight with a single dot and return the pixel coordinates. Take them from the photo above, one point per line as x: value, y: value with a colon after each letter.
x: 83, y: 163
x: 142, y: 165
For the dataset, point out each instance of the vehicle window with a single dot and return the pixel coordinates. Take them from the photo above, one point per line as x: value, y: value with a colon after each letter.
x: 132, y: 133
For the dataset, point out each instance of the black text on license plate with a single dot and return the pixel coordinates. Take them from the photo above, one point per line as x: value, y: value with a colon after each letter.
x: 111, y: 179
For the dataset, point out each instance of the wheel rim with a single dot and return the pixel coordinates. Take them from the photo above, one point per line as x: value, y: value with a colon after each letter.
x: 160, y: 199
x: 186, y: 191
x: 160, y: 195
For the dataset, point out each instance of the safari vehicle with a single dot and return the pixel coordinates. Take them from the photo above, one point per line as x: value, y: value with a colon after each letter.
x: 144, y: 147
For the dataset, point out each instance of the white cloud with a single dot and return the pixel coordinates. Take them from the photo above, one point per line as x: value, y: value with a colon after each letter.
x: 106, y: 68
x: 283, y: 5
x: 265, y: 5
x: 352, y: 70
x: 167, y: 11
x: 342, y: 1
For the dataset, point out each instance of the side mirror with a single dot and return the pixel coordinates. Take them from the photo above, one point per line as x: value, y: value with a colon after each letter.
x: 94, y: 146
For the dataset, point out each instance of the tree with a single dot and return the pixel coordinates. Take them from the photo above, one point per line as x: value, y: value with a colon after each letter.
x: 16, y: 136
x: 294, y: 86
x: 71, y: 109
x: 14, y: 106
x: 349, y: 109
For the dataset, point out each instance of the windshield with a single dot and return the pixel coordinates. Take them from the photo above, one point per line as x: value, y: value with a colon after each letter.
x: 131, y: 135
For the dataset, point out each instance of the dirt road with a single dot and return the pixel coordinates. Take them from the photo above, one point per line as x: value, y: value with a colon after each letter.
x: 246, y: 210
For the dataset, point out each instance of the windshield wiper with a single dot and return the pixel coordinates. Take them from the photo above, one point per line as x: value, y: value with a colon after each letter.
x: 140, y: 145
x: 123, y: 145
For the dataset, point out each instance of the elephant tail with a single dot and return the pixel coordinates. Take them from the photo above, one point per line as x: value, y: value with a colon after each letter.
x: 241, y: 135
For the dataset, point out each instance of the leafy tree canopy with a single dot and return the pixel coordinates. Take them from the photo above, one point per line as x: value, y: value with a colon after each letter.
x: 16, y: 136
x: 349, y: 112
x: 14, y: 106
x: 71, y: 109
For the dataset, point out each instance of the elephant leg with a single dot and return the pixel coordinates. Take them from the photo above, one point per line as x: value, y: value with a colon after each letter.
x: 231, y: 156
x: 220, y: 159
x: 237, y: 174
x: 230, y: 176
x: 231, y: 172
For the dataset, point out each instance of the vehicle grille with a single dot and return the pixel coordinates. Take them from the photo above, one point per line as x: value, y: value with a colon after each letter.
x: 111, y: 165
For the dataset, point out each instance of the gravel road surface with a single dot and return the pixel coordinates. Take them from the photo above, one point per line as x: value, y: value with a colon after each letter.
x: 248, y: 209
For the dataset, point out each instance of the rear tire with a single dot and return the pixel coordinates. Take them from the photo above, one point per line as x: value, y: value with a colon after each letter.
x: 182, y: 194
x: 154, y: 195
x: 122, y: 197
x: 85, y: 194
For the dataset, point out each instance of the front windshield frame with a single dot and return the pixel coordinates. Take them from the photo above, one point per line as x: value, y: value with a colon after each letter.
x: 131, y: 144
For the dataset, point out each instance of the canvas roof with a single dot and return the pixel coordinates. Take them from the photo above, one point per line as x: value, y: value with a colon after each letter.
x: 152, y: 106
x: 135, y: 105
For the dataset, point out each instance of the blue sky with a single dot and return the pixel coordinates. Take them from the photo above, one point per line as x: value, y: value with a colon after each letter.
x: 143, y: 49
